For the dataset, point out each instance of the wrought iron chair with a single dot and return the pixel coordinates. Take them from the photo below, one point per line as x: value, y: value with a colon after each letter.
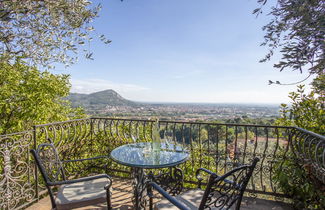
x: 222, y: 192
x: 73, y: 193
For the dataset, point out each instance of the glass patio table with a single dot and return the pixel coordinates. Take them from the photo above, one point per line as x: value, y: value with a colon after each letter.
x: 150, y: 155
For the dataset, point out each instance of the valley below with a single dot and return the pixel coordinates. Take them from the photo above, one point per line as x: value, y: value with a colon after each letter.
x: 109, y: 103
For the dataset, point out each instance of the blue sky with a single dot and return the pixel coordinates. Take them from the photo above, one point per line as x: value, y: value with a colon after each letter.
x: 181, y: 51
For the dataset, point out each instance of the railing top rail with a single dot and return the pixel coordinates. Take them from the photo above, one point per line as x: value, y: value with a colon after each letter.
x: 17, y: 133
x: 56, y: 123
x: 311, y: 133
x: 181, y: 122
x: 189, y: 122
x: 129, y: 119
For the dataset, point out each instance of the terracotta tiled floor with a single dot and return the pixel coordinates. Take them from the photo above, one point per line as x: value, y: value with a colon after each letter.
x: 122, y: 195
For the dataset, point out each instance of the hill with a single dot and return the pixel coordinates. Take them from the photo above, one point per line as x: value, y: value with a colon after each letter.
x: 110, y: 103
x: 99, y: 100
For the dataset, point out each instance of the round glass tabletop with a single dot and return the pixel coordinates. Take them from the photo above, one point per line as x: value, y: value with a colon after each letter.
x: 149, y: 155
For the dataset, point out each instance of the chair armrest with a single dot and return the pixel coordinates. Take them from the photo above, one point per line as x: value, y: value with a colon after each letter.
x: 76, y: 160
x: 229, y: 182
x: 204, y: 170
x: 72, y: 181
x: 199, y: 178
x: 215, y: 175
x: 167, y: 196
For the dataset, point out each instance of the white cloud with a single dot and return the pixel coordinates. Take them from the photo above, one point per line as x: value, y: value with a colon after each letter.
x: 94, y: 85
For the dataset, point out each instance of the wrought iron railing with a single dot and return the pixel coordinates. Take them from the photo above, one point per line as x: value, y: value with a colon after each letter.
x: 217, y: 147
x: 309, y: 148
x: 17, y: 172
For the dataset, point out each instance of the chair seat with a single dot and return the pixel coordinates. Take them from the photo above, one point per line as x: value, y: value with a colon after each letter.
x: 190, y: 199
x: 81, y: 194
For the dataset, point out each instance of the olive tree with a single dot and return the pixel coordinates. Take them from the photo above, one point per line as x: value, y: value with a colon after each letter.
x: 297, y: 30
x: 43, y: 32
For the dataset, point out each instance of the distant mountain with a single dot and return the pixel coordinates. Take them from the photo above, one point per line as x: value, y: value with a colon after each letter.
x: 99, y: 100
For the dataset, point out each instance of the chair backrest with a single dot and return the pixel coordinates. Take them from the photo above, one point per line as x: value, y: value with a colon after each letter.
x: 49, y: 163
x: 222, y: 192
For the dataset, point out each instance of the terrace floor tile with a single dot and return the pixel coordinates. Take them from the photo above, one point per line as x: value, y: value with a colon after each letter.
x: 122, y: 195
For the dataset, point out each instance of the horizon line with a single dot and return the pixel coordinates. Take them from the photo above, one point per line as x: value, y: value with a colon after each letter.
x: 186, y: 102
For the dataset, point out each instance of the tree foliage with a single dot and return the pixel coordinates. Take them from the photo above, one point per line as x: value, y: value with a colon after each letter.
x: 296, y: 181
x: 307, y: 110
x: 30, y: 97
x: 297, y: 29
x: 46, y: 31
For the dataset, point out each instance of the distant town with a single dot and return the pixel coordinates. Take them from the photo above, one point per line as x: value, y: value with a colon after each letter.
x: 110, y: 103
x: 193, y: 112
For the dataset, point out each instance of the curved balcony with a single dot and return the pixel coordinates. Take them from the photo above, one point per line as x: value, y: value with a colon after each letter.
x: 217, y: 147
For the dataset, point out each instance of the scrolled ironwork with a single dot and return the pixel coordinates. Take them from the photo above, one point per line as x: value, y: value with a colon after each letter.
x: 140, y: 200
x: 171, y: 180
x: 74, y: 139
x: 51, y: 162
x: 71, y: 138
x: 224, y: 191
x: 309, y: 149
x: 17, y: 181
